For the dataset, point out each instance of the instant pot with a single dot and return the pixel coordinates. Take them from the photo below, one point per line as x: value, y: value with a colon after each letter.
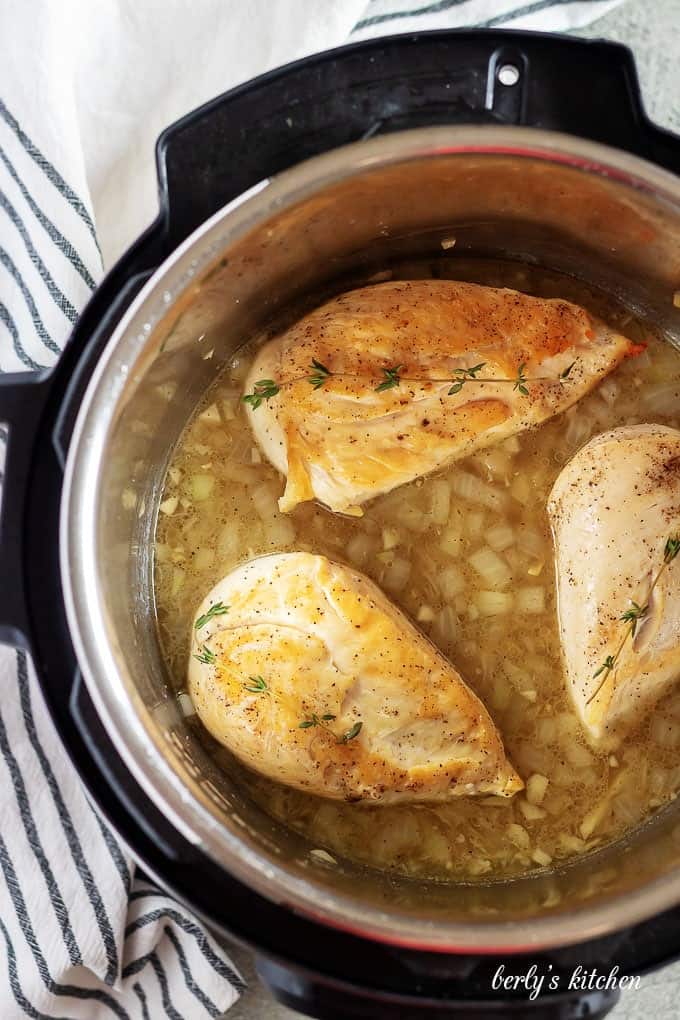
x: 520, y: 147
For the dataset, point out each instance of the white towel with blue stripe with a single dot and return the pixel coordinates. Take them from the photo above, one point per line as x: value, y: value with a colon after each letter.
x: 85, y: 88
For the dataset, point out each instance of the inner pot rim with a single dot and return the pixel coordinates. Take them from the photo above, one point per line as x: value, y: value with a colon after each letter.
x: 112, y: 689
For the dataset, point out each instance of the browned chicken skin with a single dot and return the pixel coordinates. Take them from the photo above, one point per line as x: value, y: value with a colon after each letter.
x: 346, y: 442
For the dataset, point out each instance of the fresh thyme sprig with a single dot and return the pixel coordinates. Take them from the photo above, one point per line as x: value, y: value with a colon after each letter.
x: 317, y: 720
x: 321, y: 374
x: 519, y: 383
x: 257, y: 685
x: 464, y: 375
x: 217, y: 610
x: 392, y: 378
x: 206, y: 656
x: 633, y: 616
x: 351, y: 733
x: 322, y: 721
x: 265, y: 389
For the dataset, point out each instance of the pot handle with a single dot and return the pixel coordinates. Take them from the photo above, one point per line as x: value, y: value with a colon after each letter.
x: 584, y: 87
x: 22, y: 400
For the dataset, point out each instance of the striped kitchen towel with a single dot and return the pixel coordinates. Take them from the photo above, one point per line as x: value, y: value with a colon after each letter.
x: 85, y: 88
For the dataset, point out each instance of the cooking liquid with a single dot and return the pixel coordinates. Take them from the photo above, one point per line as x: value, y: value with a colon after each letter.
x: 421, y: 544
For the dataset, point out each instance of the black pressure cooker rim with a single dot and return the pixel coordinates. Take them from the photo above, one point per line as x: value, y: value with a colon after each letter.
x: 194, y: 182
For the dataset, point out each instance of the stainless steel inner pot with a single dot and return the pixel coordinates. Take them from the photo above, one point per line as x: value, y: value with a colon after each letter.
x: 511, y: 193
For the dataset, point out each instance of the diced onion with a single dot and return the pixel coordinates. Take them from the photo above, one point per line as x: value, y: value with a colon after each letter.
x: 474, y: 523
x: 440, y: 501
x: 202, y: 487
x: 493, y: 570
x: 166, y: 390
x: 521, y: 489
x: 495, y: 462
x: 322, y: 855
x: 451, y: 540
x: 536, y: 787
x: 450, y: 582
x: 412, y: 518
x: 531, y: 812
x: 512, y: 445
x: 530, y: 600
x: 169, y: 505
x: 359, y: 548
x: 474, y: 490
x: 500, y: 536
x: 594, y: 818
x: 541, y: 857
x: 390, y: 538
x: 186, y: 705
x: 518, y: 835
x: 572, y: 844
x: 425, y: 614
x: 531, y: 542
x: 493, y: 603
x: 177, y: 580
x: 230, y: 540
x: 265, y: 501
x: 397, y: 574
x: 446, y: 625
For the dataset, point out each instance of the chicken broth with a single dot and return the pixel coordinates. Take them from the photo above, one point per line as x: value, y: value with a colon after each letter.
x: 468, y: 554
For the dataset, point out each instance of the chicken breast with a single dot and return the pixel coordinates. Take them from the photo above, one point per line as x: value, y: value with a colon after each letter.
x: 312, y: 677
x: 358, y: 394
x: 613, y: 509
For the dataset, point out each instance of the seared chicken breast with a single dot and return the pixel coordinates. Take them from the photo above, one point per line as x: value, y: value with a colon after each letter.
x: 613, y: 509
x: 389, y: 382
x: 310, y: 676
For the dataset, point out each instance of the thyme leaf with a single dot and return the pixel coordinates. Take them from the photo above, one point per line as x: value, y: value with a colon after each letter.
x: 392, y: 378
x: 520, y: 382
x: 321, y: 374
x: 671, y: 549
x: 313, y: 719
x: 264, y: 389
x: 206, y: 656
x: 567, y: 370
x: 217, y: 610
x: 606, y: 667
x: 463, y: 375
x: 634, y: 614
x: 257, y: 685
x: 351, y: 733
